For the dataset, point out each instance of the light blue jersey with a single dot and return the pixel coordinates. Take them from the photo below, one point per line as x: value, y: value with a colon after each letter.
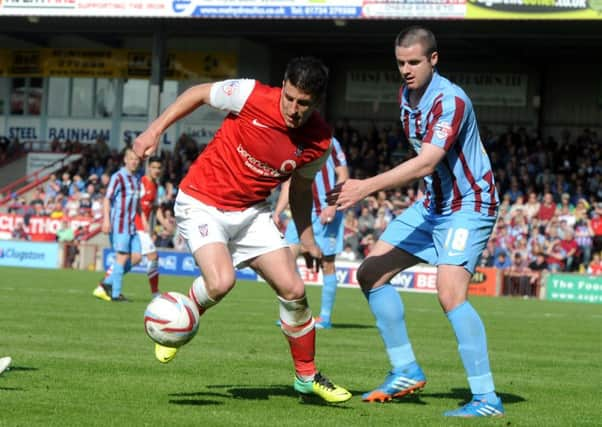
x: 452, y: 223
x: 444, y: 117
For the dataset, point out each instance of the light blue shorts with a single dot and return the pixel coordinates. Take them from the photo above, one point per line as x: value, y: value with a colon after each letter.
x: 329, y: 237
x: 126, y: 243
x: 454, y: 239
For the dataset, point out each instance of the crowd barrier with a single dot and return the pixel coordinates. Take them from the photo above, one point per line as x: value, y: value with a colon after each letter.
x: 422, y: 278
x: 416, y: 279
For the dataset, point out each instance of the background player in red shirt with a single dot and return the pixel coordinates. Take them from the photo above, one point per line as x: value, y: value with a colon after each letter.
x: 150, y: 209
x: 270, y: 135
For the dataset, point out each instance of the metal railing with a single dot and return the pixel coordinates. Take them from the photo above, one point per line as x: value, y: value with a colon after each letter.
x: 27, y: 182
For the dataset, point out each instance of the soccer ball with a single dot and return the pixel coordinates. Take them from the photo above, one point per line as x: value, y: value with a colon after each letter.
x: 171, y: 319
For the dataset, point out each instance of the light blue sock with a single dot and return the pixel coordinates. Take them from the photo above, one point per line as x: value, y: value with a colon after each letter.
x: 472, y: 345
x: 387, y: 308
x: 126, y: 269
x: 117, y: 279
x: 329, y: 293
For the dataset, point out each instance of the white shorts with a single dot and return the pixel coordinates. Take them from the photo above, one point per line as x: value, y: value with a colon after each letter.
x: 248, y: 233
x: 146, y: 243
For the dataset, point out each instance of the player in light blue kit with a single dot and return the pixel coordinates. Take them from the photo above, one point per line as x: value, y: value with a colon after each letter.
x: 327, y: 224
x: 120, y: 206
x: 448, y: 228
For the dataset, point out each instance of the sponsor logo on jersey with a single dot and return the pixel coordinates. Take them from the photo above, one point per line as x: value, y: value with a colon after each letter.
x: 442, y: 130
x: 259, y: 124
x: 262, y: 168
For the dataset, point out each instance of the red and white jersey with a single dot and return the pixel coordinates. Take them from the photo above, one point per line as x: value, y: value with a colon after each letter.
x: 253, y: 151
x: 148, y: 200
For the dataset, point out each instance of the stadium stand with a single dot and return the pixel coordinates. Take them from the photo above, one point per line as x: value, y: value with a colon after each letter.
x: 550, y: 218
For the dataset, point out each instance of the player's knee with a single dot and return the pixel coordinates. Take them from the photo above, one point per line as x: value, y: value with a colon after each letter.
x: 135, y: 258
x: 449, y: 299
x: 217, y: 288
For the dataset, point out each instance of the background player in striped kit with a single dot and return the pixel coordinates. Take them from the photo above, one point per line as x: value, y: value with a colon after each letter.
x: 151, y: 211
x: 327, y: 224
x: 448, y: 228
x: 119, y: 210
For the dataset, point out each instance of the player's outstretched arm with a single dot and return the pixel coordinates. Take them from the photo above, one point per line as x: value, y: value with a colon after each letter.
x: 348, y: 193
x: 147, y: 142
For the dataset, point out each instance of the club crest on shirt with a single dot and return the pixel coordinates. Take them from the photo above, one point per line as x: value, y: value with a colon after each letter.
x: 288, y: 166
x: 299, y: 151
x: 442, y: 130
x: 204, y: 230
x: 230, y: 87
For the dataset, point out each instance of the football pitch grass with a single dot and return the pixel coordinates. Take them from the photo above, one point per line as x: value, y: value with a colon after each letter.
x: 79, y: 361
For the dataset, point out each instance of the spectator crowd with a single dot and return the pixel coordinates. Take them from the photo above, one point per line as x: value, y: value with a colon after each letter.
x: 550, y: 217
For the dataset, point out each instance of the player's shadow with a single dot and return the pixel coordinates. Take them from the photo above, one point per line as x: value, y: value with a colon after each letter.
x: 21, y: 368
x: 463, y: 395
x: 265, y: 393
x: 192, y: 400
x: 351, y: 326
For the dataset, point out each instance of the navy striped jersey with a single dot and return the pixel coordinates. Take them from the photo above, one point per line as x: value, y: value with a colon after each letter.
x: 463, y: 179
x: 123, y: 192
x: 326, y: 177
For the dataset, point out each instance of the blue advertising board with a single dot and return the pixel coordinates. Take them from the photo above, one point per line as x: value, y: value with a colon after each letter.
x: 174, y: 263
x: 29, y: 254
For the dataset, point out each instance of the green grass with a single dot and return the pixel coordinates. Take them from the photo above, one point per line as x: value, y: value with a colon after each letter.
x: 80, y: 361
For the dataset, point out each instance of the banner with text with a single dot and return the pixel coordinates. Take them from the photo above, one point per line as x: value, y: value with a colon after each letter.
x: 372, y: 86
x: 310, y: 9
x: 180, y: 65
x: 327, y: 9
x: 534, y: 9
x: 41, y: 228
x: 572, y: 288
x: 415, y: 279
x: 407, y: 9
x: 28, y: 254
x: 493, y: 89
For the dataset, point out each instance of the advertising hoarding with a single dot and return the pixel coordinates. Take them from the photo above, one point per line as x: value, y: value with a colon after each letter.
x: 28, y: 254
x: 309, y: 9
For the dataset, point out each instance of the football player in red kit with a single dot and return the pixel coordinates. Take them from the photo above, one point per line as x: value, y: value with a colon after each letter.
x: 150, y: 209
x: 270, y: 135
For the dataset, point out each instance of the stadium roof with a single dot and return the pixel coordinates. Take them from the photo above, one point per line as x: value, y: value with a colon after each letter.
x: 525, y: 41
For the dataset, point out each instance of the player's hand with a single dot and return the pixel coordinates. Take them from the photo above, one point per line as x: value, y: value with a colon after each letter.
x: 346, y: 194
x: 327, y: 215
x: 313, y: 256
x: 146, y: 143
x: 276, y: 219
